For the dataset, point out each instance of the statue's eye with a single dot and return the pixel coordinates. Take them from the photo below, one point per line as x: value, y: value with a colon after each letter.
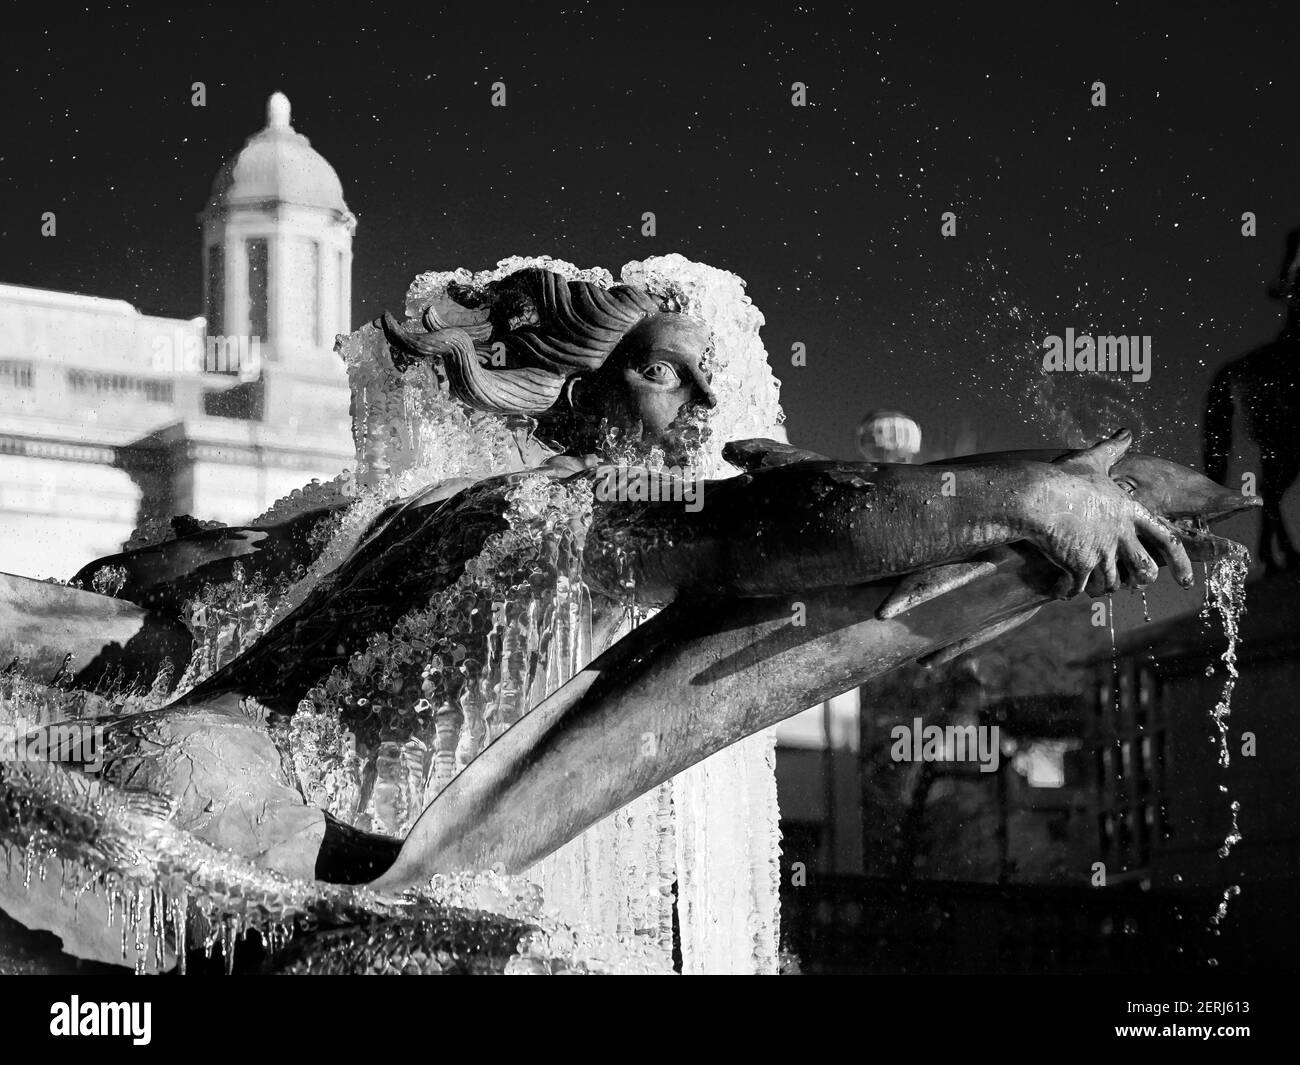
x: 1127, y: 485
x: 661, y: 373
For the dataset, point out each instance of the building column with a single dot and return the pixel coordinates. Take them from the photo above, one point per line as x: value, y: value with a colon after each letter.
x: 235, y: 317
x: 276, y: 325
x: 345, y: 290
x: 324, y: 292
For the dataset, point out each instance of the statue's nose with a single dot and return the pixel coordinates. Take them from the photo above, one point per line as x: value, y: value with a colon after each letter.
x: 704, y: 390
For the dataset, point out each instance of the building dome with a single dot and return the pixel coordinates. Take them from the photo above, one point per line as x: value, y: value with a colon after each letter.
x: 888, y: 436
x: 277, y: 164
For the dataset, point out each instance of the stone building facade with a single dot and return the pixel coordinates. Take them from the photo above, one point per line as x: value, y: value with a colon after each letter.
x: 110, y: 418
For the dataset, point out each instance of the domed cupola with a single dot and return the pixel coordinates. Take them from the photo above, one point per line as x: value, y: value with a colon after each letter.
x: 277, y: 265
x: 277, y: 164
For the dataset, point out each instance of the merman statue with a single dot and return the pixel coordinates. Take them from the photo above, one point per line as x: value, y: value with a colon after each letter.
x: 464, y: 619
x: 1265, y: 384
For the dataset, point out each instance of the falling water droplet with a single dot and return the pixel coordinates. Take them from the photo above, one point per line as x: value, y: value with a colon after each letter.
x: 1234, y: 833
x: 1226, y: 589
x: 1226, y: 582
x: 1114, y: 655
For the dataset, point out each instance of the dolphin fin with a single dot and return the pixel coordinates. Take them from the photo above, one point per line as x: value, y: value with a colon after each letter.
x: 759, y: 453
x: 976, y: 639
x: 917, y: 588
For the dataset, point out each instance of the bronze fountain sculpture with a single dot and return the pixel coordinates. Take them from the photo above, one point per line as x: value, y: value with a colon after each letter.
x: 465, y: 643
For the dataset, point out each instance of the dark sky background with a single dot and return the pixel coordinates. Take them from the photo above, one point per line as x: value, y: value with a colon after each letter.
x: 1122, y: 219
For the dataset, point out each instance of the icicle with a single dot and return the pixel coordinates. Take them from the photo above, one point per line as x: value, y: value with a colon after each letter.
x: 208, y: 934
x: 139, y: 930
x: 513, y: 684
x: 763, y: 843
x: 388, y: 805
x: 229, y: 932
x: 156, y: 926
x: 560, y: 657
x: 415, y: 761
x: 665, y: 844
x: 472, y: 705
x: 447, y: 721
x: 584, y: 621
x: 180, y: 921
x: 535, y: 690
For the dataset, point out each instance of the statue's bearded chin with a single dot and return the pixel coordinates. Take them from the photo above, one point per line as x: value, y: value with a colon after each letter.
x: 633, y: 442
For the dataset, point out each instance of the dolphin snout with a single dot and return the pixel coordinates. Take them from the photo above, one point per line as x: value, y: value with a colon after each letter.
x: 1202, y: 546
x: 1220, y: 502
x: 1180, y: 493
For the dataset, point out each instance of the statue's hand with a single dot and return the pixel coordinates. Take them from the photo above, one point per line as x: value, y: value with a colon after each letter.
x: 1097, y: 533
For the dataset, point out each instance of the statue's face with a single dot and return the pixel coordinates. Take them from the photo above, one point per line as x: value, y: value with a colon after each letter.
x: 651, y: 376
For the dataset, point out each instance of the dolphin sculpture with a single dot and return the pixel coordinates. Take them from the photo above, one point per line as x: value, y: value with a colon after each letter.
x: 1182, y: 496
x: 706, y: 673
x: 83, y: 638
x: 720, y: 662
x: 163, y: 577
x: 713, y: 667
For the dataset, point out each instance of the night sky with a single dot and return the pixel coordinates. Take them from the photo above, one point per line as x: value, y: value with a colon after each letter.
x: 1122, y: 219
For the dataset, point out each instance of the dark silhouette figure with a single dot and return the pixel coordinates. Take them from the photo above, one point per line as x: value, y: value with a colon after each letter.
x: 1266, y: 383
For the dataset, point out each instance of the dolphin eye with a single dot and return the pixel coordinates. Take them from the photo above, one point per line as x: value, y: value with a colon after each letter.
x: 661, y: 373
x: 1127, y: 485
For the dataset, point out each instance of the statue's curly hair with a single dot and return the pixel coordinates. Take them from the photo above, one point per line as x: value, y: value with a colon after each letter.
x: 538, y: 330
